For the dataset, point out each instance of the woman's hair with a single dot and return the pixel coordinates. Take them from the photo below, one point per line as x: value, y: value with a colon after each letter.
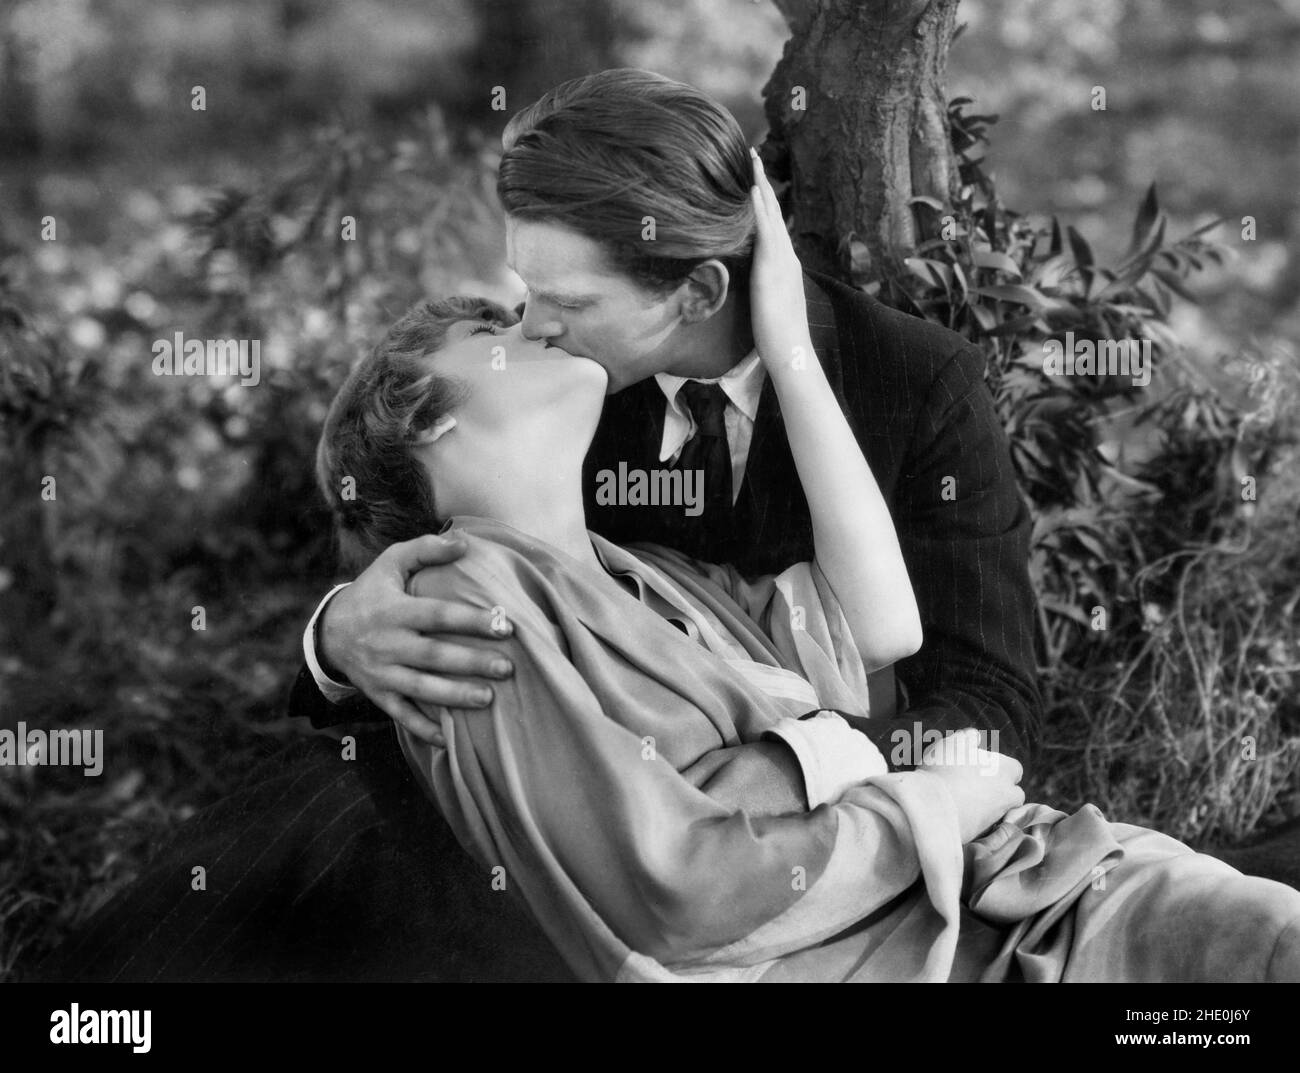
x: 603, y: 153
x: 377, y: 490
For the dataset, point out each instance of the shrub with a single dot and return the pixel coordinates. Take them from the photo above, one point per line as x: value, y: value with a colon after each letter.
x: 1163, y: 548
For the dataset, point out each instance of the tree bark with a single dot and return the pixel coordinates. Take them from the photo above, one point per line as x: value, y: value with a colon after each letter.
x: 873, y: 133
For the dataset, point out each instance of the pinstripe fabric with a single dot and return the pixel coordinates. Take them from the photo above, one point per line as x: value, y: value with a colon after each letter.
x: 318, y: 869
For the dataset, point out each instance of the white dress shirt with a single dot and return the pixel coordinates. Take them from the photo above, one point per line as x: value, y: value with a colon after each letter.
x: 743, y: 386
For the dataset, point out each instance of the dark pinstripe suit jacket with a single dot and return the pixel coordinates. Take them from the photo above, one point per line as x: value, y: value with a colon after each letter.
x: 915, y: 397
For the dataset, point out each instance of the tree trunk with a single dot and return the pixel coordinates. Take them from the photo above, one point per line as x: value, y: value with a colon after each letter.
x: 872, y: 133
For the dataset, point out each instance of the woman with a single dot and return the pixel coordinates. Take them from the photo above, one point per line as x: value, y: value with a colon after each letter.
x: 671, y: 781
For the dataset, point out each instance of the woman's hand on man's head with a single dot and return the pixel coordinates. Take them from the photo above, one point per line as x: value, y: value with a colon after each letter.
x: 778, y: 310
x: 401, y: 650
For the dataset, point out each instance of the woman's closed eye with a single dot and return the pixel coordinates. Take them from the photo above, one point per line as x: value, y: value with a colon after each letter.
x: 485, y: 326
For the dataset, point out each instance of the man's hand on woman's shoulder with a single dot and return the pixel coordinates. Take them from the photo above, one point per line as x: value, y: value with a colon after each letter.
x: 404, y: 650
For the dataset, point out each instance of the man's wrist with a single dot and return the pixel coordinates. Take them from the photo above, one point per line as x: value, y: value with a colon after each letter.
x: 327, y: 665
x: 329, y: 680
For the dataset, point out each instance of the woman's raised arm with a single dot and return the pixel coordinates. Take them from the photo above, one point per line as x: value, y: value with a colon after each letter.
x: 853, y: 535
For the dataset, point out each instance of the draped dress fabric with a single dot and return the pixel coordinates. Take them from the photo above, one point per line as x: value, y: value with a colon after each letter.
x: 575, y: 791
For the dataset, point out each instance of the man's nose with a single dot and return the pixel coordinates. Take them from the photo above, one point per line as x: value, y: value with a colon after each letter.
x: 537, y: 326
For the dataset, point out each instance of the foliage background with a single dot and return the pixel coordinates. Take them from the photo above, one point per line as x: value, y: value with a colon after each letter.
x: 174, y: 493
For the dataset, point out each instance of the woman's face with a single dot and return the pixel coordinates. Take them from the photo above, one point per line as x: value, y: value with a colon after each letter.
x: 528, y: 410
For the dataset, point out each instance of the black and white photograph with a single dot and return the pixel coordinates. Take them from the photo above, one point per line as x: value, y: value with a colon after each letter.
x: 715, y: 491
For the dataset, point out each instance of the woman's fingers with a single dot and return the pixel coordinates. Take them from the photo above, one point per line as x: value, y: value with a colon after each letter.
x: 762, y: 206
x: 766, y: 193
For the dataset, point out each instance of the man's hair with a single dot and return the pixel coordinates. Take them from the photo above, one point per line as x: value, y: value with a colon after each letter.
x: 377, y: 490
x: 602, y: 153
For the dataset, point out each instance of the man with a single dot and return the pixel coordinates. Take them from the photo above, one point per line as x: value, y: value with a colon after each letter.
x: 627, y: 212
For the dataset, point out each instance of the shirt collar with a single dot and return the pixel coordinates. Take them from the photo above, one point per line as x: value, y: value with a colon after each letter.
x: 742, y: 384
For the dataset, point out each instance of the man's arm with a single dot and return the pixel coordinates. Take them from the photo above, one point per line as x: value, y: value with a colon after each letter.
x: 964, y: 529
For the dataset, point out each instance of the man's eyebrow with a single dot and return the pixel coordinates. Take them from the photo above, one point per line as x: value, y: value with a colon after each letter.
x: 567, y: 299
x: 554, y: 296
x: 562, y: 296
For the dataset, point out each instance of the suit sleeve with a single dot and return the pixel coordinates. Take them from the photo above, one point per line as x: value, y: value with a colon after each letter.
x: 964, y: 529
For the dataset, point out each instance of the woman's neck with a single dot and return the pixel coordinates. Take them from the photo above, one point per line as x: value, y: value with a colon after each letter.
x: 551, y: 510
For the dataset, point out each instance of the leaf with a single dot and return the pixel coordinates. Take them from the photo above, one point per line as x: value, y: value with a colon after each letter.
x: 1147, y: 213
x: 1208, y: 227
x: 1158, y: 239
x: 1017, y: 325
x: 983, y: 316
x: 1013, y: 292
x: 1093, y: 292
x: 1175, y: 284
x: 960, y: 277
x: 1091, y: 544
x: 1080, y: 248
x: 933, y: 273
x: 1052, y: 272
x: 1058, y: 607
x: 993, y: 259
x: 1158, y: 296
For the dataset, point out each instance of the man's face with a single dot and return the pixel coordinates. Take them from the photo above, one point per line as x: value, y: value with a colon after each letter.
x: 577, y: 301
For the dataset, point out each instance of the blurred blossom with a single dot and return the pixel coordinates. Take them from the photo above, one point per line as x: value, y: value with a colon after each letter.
x: 53, y: 33
x: 52, y: 258
x: 317, y: 324
x: 87, y: 333
x: 142, y: 207
x: 276, y: 351
x: 1261, y: 269
x: 225, y: 274
x: 409, y: 240
x: 1212, y: 27
x: 174, y: 239
x: 105, y: 287
x: 184, y: 200
x: 1089, y: 190
x: 189, y: 478
x: 141, y: 306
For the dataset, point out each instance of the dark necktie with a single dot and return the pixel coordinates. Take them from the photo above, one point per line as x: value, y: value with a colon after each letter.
x: 707, y: 450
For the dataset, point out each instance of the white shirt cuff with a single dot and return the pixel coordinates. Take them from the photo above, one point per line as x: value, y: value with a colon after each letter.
x: 832, y: 755
x: 333, y: 691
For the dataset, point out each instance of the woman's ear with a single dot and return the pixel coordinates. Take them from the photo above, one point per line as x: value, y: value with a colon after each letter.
x: 704, y: 291
x: 435, y: 431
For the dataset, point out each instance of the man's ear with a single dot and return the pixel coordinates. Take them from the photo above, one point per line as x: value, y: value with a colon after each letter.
x: 704, y: 291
